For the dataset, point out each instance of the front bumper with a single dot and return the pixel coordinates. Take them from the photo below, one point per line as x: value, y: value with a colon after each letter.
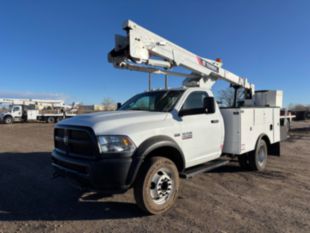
x: 111, y: 174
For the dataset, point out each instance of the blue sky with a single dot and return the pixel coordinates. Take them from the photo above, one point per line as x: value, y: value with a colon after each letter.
x: 59, y: 48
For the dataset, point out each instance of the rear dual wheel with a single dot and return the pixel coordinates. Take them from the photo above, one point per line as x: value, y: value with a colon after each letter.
x: 51, y: 120
x: 157, y: 185
x: 257, y: 159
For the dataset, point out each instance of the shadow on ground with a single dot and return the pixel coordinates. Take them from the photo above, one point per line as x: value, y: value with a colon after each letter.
x: 28, y: 192
x: 232, y: 167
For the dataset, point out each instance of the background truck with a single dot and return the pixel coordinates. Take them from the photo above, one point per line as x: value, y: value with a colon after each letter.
x: 24, y: 110
x: 158, y: 136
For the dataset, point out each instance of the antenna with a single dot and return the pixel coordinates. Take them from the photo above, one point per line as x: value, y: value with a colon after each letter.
x: 166, y: 81
x: 150, y: 81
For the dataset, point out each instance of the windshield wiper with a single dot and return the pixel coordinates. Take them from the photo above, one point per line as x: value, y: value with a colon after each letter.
x: 137, y: 109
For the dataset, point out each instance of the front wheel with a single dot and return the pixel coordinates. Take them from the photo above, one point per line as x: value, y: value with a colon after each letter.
x: 8, y: 120
x: 157, y: 185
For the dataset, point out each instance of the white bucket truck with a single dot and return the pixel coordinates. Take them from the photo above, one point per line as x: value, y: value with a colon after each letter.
x: 158, y: 136
x: 27, y: 110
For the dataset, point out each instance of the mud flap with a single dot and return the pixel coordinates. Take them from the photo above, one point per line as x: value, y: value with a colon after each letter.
x: 274, y: 149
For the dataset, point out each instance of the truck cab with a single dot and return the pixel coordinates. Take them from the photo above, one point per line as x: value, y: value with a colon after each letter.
x: 15, y: 113
x: 106, y: 151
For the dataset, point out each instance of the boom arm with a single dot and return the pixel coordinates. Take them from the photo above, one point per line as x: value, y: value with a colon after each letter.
x: 142, y: 50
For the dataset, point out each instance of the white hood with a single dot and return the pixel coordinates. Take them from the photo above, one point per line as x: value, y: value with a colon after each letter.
x: 107, y: 122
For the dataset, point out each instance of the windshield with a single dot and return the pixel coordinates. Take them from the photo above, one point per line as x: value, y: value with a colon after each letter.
x: 13, y: 108
x: 156, y: 101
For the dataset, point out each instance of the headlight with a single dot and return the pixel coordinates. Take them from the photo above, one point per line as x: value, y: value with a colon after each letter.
x: 115, y: 143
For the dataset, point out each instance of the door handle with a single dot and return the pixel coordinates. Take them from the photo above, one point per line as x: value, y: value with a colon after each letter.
x: 214, y: 121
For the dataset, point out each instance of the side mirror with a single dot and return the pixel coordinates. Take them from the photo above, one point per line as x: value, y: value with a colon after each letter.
x: 209, y: 105
x: 182, y: 113
x: 118, y: 105
x: 192, y: 111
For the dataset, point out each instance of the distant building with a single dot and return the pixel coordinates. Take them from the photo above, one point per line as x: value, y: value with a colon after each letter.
x: 96, y: 108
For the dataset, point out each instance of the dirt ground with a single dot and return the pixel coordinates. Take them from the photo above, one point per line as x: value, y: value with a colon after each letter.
x: 225, y: 200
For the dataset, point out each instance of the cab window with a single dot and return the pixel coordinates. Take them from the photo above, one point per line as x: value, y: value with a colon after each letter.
x: 195, y: 100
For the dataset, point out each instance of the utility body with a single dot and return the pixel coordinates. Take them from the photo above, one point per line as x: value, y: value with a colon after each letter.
x: 160, y: 135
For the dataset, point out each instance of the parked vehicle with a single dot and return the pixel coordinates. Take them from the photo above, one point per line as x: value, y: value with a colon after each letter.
x: 24, y: 113
x: 158, y: 137
x: 301, y: 115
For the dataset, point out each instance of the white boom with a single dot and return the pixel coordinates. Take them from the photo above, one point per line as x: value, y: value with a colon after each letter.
x: 31, y: 101
x: 142, y: 50
x: 39, y: 102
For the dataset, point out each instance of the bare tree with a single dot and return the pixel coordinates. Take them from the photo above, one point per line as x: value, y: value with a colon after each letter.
x: 226, y: 97
x: 108, y: 103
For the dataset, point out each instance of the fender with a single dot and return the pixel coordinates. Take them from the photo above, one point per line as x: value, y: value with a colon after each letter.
x: 273, y: 149
x: 261, y: 136
x: 7, y: 115
x: 146, y: 148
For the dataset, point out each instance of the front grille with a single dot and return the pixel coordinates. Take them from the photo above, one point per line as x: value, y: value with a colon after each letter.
x: 75, y: 141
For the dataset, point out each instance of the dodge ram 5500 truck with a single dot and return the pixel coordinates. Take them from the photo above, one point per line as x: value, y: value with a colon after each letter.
x: 158, y: 136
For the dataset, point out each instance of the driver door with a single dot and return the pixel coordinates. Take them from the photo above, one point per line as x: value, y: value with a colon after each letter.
x: 17, y: 112
x: 200, y: 129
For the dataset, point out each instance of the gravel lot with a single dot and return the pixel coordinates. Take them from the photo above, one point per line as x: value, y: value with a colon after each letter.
x: 225, y: 200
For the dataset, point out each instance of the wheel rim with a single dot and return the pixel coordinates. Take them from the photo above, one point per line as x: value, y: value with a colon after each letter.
x: 262, y: 156
x: 161, y: 188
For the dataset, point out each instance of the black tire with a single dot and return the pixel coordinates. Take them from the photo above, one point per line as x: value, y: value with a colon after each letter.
x: 8, y: 120
x: 258, y: 158
x: 157, y: 185
x: 244, y: 161
x: 50, y: 120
